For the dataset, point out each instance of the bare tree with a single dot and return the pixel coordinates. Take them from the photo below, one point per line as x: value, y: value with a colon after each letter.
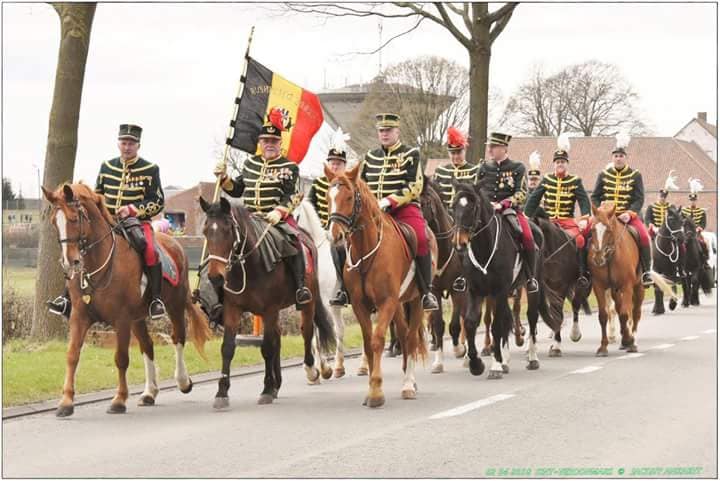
x: 592, y: 98
x: 75, y: 26
x: 429, y: 93
x: 473, y: 25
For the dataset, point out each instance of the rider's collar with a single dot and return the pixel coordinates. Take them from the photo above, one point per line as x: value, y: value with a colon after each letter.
x: 498, y: 162
x: 626, y: 167
x: 460, y: 166
x: 270, y: 160
x: 128, y: 163
x: 392, y: 148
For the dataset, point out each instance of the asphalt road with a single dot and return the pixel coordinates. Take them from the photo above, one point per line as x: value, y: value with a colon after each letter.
x: 648, y: 414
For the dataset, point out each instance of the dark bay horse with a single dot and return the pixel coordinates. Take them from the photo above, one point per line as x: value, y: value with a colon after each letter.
x: 668, y: 257
x: 694, y: 264
x: 235, y: 266
x: 492, y: 267
x: 379, y: 275
x: 106, y: 283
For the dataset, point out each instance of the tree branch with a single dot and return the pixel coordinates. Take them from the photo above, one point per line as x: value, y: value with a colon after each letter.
x: 444, y: 22
x: 341, y: 10
x: 502, y: 22
x: 372, y: 52
x: 501, y: 12
x: 448, y: 23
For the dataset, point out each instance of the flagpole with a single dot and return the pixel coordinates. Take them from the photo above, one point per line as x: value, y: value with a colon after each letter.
x: 216, y: 193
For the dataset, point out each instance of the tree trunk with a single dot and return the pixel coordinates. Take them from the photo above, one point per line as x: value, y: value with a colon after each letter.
x: 479, y: 91
x: 75, y: 26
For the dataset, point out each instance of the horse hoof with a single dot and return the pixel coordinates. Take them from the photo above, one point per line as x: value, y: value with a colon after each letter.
x: 495, y: 375
x: 476, y: 366
x: 221, y: 403
x: 466, y: 361
x: 117, y: 409
x: 612, y: 339
x: 657, y: 313
x: 437, y: 369
x: 275, y: 393
x: 601, y: 352
x: 486, y: 351
x: 365, y: 401
x: 575, y: 337
x: 555, y: 353
x: 187, y: 389
x: 339, y: 372
x: 313, y: 375
x: 375, y: 402
x: 672, y: 304
x: 632, y: 348
x: 146, y: 400
x: 506, y: 369
x: 362, y: 371
x: 408, y: 394
x: 433, y: 347
x: 327, y: 372
x: 519, y: 341
x: 622, y: 347
x: 65, y: 411
x: 533, y: 365
x: 265, y: 399
x: 459, y: 350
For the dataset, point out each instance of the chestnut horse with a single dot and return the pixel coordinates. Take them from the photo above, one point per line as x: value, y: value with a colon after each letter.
x: 236, y: 269
x: 106, y: 283
x: 613, y: 261
x: 378, y: 274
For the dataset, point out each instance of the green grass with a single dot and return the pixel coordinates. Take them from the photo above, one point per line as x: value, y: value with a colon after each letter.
x: 35, y: 372
x: 20, y: 279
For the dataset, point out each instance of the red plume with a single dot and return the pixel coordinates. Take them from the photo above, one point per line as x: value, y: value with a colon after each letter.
x: 276, y: 118
x: 455, y: 137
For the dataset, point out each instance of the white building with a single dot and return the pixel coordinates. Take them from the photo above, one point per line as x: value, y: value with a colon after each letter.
x: 701, y: 132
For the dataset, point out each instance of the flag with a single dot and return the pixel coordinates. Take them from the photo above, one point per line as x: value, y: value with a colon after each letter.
x: 264, y: 89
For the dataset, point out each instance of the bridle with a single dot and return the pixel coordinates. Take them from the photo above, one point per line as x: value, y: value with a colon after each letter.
x: 607, y: 251
x: 674, y: 253
x: 474, y: 230
x: 84, y: 247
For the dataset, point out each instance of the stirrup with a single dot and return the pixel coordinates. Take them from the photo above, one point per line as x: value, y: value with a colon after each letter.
x: 303, y: 296
x: 459, y: 284
x: 429, y: 302
x: 157, y: 309
x: 583, y: 281
x: 340, y: 299
x: 532, y: 285
x: 646, y: 279
x: 59, y: 306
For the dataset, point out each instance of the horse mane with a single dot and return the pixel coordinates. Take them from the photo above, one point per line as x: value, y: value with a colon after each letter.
x: 83, y: 191
x: 431, y: 198
x: 469, y: 189
x: 366, y: 196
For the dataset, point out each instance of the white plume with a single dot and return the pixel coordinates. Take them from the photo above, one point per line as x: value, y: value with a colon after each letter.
x: 339, y: 140
x: 534, y: 160
x: 670, y: 182
x: 695, y: 185
x: 622, y: 140
x: 563, y: 142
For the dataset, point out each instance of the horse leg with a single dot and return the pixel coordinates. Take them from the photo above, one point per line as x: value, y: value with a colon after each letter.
x: 147, y: 398
x: 438, y: 329
x: 308, y: 330
x: 472, y: 319
x: 623, y: 304
x: 638, y: 297
x: 394, y: 347
x: 533, y: 312
x: 456, y: 323
x: 602, y: 351
x: 336, y: 313
x: 179, y: 336
x: 78, y: 329
x: 686, y: 290
x: 489, y: 310
x: 502, y: 323
x: 518, y: 328
x: 122, y: 360
x: 270, y: 350
x: 385, y: 313
x: 231, y: 320
x: 612, y: 318
x: 365, y: 321
x: 659, y: 306
x: 556, y: 346
x: 577, y: 301
x: 672, y: 304
x: 413, y: 345
x: 695, y: 289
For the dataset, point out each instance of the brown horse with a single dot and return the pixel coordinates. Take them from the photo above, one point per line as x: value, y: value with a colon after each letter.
x: 237, y: 270
x: 613, y: 261
x: 105, y: 281
x: 379, y: 277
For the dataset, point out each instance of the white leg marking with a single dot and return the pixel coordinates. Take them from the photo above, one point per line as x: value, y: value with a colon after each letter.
x: 532, y: 350
x: 556, y: 345
x: 409, y: 380
x: 181, y: 375
x: 61, y: 223
x: 586, y: 370
x: 151, y: 377
x: 471, y: 406
x: 505, y: 352
x: 575, y: 333
x: 437, y: 365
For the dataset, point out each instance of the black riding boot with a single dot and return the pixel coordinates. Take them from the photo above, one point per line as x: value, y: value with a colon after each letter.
x: 297, y: 265
x: 645, y: 264
x: 529, y: 262
x: 583, y: 274
x: 61, y: 305
x: 341, y: 297
x: 423, y: 278
x: 157, y: 307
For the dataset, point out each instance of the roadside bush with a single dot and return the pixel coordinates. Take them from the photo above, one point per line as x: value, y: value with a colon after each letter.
x: 16, y: 315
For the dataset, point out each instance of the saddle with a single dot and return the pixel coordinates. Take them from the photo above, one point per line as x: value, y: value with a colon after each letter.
x: 131, y: 229
x: 634, y: 233
x: 408, y: 234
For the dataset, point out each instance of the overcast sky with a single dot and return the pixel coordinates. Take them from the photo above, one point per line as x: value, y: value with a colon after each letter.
x: 174, y: 68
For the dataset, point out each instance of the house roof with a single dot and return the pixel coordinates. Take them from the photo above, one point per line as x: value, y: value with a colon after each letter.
x: 712, y: 129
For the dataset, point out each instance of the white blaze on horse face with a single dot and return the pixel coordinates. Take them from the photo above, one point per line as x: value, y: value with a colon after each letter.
x: 61, y: 223
x: 214, y: 227
x: 600, y: 229
x: 463, y: 201
x: 332, y: 194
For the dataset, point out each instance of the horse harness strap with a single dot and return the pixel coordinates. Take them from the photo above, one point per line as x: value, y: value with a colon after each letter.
x: 239, y: 256
x: 471, y: 253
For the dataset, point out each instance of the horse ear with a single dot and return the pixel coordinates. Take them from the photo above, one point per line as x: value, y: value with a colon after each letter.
x: 612, y: 211
x: 49, y: 194
x: 594, y: 210
x: 69, y: 194
x: 352, y: 174
x: 328, y: 173
x: 224, y: 205
x: 204, y: 205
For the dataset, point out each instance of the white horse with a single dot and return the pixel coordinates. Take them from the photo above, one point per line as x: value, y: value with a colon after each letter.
x: 308, y: 219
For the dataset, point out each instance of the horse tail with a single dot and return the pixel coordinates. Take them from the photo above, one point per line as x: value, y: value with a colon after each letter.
x: 549, y: 313
x: 325, y: 329
x: 198, y: 327
x: 660, y: 281
x: 705, y: 278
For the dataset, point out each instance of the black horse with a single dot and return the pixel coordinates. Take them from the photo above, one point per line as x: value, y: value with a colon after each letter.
x: 491, y: 264
x: 695, y: 266
x: 236, y: 266
x: 560, y: 275
x: 668, y: 257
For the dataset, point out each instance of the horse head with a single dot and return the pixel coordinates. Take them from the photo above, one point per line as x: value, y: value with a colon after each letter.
x: 432, y: 207
x: 688, y: 226
x: 349, y: 199
x: 604, y: 233
x: 222, y: 233
x: 674, y: 223
x: 75, y: 210
x: 471, y: 209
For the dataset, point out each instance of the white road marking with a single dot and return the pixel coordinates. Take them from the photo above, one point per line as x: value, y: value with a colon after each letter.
x: 586, y: 370
x: 662, y: 346
x: 689, y: 338
x: 471, y: 406
x: 709, y: 331
x: 632, y: 355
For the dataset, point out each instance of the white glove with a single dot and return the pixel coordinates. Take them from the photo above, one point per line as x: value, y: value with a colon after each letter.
x: 582, y: 224
x: 384, y: 204
x: 496, y: 205
x: 220, y: 170
x: 273, y: 217
x: 624, y: 217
